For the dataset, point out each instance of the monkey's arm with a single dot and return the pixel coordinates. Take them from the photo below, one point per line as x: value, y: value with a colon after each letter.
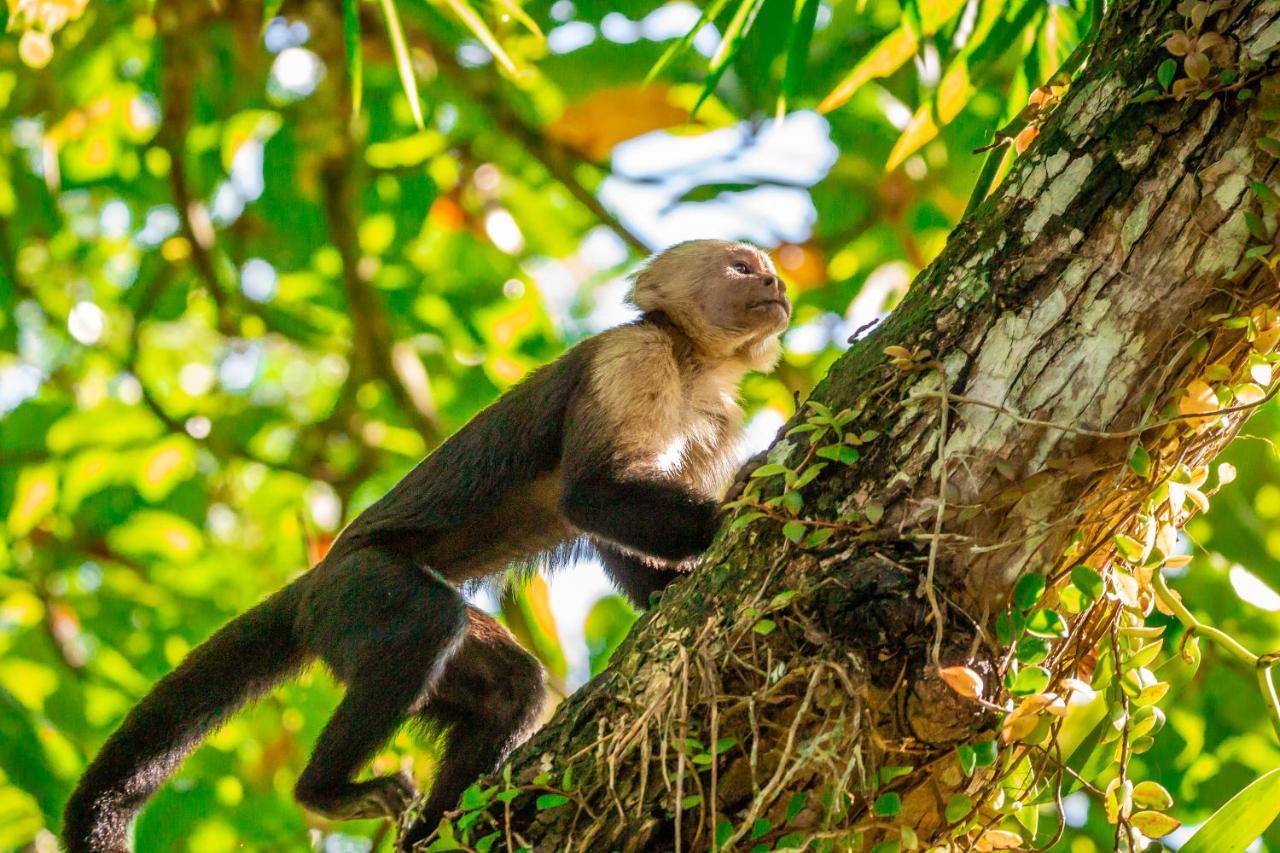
x: 636, y: 577
x: 645, y: 516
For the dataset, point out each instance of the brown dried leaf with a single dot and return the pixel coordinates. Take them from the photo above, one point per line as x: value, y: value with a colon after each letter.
x: 962, y: 680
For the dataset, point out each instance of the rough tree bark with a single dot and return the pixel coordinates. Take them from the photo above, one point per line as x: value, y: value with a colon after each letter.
x: 1065, y: 318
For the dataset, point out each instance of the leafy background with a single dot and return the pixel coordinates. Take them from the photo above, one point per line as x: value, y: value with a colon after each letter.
x: 254, y: 263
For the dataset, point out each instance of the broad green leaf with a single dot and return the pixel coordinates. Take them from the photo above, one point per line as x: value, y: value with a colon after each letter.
x: 1242, y: 819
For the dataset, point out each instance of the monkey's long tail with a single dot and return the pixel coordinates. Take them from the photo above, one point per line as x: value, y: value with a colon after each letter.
x: 239, y: 663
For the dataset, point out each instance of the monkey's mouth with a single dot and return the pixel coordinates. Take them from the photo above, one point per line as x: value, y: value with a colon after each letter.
x: 780, y: 304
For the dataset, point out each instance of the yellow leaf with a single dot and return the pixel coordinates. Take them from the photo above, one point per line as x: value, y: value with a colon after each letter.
x: 1017, y: 727
x: 1267, y: 339
x: 1249, y: 394
x: 1126, y: 587
x: 597, y: 123
x: 999, y: 839
x: 1154, y: 824
x: 954, y: 91
x: 1198, y: 400
x: 918, y: 131
x: 891, y: 53
x: 1198, y: 498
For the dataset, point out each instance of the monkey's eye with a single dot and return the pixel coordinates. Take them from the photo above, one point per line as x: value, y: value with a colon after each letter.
x: 739, y: 266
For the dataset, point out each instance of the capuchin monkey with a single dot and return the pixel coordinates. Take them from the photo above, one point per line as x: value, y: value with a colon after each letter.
x: 626, y: 441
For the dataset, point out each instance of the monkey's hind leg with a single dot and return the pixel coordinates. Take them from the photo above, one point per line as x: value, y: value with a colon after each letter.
x: 387, y: 628
x: 490, y: 698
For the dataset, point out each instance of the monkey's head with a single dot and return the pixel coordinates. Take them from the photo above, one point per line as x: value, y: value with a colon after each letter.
x: 725, y: 296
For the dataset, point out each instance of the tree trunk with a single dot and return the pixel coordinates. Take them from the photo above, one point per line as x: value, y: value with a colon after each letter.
x: 1054, y: 372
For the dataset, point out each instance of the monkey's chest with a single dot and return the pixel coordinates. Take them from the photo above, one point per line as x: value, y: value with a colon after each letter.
x: 702, y: 454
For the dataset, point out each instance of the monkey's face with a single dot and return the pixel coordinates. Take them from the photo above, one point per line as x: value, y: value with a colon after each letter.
x: 724, y: 295
x: 740, y: 292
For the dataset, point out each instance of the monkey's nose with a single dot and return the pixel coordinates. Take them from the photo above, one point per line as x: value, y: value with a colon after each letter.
x: 771, y: 282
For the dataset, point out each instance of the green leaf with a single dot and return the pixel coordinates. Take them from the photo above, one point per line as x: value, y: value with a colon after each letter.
x: 986, y: 752
x: 1270, y: 145
x: 400, y: 49
x: 1166, y: 72
x: 839, y: 453
x: 806, y: 13
x: 807, y: 476
x: 1131, y: 549
x: 796, y: 805
x: 351, y: 39
x: 1264, y: 193
x: 888, y: 805
x: 793, y: 502
x: 676, y: 48
x: 1028, y: 591
x: 765, y: 627
x: 1088, y: 582
x: 550, y: 801
x: 794, y: 530
x: 771, y: 469
x: 730, y: 42
x: 958, y: 807
x: 690, y: 801
x: 1140, y: 462
x: 968, y: 758
x: 1048, y: 624
x: 817, y: 537
x: 1032, y: 650
x: 1029, y: 680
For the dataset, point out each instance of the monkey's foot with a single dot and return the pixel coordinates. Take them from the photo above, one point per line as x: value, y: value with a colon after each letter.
x: 384, y: 796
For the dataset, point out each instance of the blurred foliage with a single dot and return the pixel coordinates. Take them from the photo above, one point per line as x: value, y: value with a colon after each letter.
x: 255, y: 262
